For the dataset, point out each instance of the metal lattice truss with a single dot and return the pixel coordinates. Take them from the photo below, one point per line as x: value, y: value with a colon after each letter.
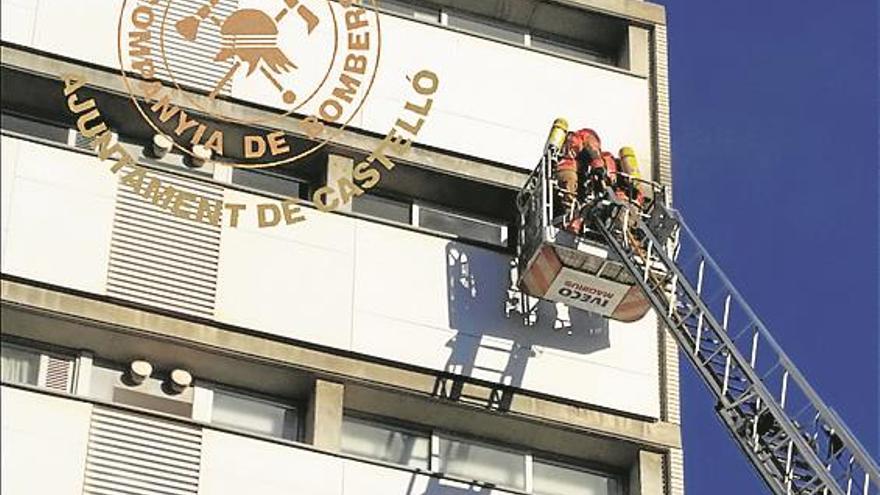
x: 797, y: 443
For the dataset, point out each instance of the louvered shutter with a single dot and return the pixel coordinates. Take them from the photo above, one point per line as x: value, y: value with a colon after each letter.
x: 136, y: 454
x: 59, y: 373
x: 191, y: 62
x: 162, y: 260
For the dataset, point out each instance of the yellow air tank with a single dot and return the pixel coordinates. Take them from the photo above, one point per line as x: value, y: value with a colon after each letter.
x: 628, y: 162
x: 558, y: 133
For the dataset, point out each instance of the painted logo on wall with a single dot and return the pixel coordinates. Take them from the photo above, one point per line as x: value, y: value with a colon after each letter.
x: 312, y: 58
x: 305, y: 68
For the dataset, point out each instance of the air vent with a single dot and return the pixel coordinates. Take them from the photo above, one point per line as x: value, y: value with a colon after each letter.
x: 162, y: 260
x: 59, y: 373
x: 76, y: 139
x: 135, y: 454
x: 190, y: 59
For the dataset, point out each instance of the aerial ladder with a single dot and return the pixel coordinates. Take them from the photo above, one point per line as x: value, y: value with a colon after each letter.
x: 631, y: 258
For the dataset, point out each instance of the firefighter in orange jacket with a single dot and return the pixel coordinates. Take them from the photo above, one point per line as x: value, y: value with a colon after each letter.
x: 581, y: 154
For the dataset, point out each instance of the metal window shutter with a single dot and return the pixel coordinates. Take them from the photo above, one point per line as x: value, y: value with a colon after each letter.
x: 135, y: 454
x: 191, y: 62
x: 159, y: 259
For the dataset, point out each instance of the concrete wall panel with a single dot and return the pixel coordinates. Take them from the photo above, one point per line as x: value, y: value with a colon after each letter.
x: 44, y: 443
x: 432, y: 302
x: 8, y: 159
x: 59, y: 217
x: 294, y: 281
x: 234, y: 465
x: 84, y: 31
x: 17, y: 21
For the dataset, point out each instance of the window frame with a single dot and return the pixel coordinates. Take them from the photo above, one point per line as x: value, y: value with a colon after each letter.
x: 296, y: 408
x: 530, y: 456
x: 44, y: 353
x: 395, y: 424
x: 303, y: 187
x: 410, y: 203
x: 420, y: 12
x: 418, y: 205
x: 485, y: 443
x: 580, y: 466
x: 38, y: 122
x: 569, y: 49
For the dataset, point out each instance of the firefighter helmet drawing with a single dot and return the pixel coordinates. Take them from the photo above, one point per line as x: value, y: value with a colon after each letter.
x: 250, y: 37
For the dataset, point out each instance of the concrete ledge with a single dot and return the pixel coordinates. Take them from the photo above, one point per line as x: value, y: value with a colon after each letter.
x: 78, y: 321
x: 347, y: 140
x: 636, y: 10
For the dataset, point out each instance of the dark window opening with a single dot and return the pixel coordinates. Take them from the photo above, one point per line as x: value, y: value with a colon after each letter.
x: 34, y: 128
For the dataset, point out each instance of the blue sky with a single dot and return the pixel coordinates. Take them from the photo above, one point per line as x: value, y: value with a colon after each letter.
x: 775, y: 156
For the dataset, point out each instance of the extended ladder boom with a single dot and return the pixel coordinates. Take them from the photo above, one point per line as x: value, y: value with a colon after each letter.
x: 797, y: 443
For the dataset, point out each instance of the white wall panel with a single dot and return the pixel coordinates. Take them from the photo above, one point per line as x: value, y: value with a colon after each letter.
x: 44, y: 443
x: 294, y: 281
x: 84, y: 30
x: 17, y: 21
x: 8, y: 159
x: 59, y: 217
x: 441, y: 304
x: 236, y: 465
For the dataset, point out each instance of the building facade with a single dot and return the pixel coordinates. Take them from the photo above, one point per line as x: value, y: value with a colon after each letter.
x: 314, y: 338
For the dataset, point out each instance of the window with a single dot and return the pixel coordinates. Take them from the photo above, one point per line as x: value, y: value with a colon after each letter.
x: 556, y: 479
x: 431, y: 218
x: 568, y: 49
x: 469, y: 460
x: 386, y: 443
x: 408, y: 9
x: 268, y: 182
x: 254, y: 415
x: 30, y: 366
x: 557, y: 29
x: 488, y: 28
x: 473, y: 461
x: 19, y: 365
x: 34, y: 128
x: 381, y: 207
x: 461, y: 225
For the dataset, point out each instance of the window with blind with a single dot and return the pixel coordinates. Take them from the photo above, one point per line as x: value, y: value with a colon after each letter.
x: 558, y: 479
x: 470, y: 460
x: 19, y: 365
x: 385, y: 442
x: 482, y: 462
x: 254, y: 414
x: 27, y: 365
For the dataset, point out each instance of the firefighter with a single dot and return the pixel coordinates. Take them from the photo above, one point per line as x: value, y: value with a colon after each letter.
x: 581, y: 155
x: 629, y: 165
x: 611, y: 178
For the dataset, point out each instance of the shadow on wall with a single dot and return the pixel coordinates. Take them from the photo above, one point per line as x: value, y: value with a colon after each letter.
x: 440, y: 486
x: 495, y: 339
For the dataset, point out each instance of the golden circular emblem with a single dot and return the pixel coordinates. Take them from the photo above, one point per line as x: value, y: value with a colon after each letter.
x: 308, y: 64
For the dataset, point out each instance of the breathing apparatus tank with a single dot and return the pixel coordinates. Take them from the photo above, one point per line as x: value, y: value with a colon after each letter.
x: 558, y: 134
